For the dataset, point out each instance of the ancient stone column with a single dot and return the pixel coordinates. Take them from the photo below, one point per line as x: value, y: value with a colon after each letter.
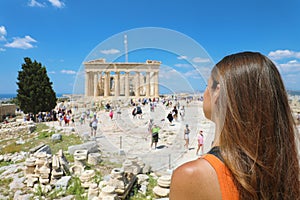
x: 147, y: 84
x: 152, y: 84
x: 127, y: 84
x: 137, y: 84
x: 156, y: 90
x: 122, y: 85
x: 95, y: 84
x: 117, y: 84
x: 91, y: 83
x: 107, y: 84
x: 100, y: 84
x: 86, y: 84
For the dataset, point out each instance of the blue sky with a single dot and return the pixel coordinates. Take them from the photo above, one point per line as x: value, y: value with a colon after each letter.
x: 61, y: 34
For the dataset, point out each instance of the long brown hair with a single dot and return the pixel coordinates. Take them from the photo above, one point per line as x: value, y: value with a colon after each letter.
x: 258, y: 138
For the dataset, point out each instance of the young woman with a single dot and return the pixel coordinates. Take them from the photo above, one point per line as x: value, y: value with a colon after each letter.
x: 111, y: 114
x: 255, y: 150
x: 200, y: 142
x: 186, y: 136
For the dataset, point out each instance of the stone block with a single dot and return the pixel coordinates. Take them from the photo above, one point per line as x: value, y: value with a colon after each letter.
x: 62, y: 183
x: 91, y: 146
x: 161, y: 192
x: 56, y: 137
x: 94, y: 158
x: 76, y: 170
x: 41, y: 148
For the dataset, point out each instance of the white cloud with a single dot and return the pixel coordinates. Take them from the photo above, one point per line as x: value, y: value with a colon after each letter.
x: 290, y: 72
x: 175, y: 81
x: 293, y: 61
x: 21, y: 43
x: 292, y: 66
x: 203, y: 71
x: 110, y: 51
x: 292, y: 81
x: 57, y: 3
x: 67, y: 71
x: 200, y: 60
x: 182, y: 65
x: 280, y: 54
x: 52, y: 72
x: 34, y: 3
x: 168, y: 73
x: 182, y: 57
x: 2, y: 49
x: 193, y: 74
x: 3, y: 30
x: 2, y: 33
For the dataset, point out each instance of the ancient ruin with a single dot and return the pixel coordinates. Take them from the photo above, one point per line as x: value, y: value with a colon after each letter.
x: 126, y: 79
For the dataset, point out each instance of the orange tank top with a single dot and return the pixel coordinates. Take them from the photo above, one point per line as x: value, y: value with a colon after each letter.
x: 227, y: 186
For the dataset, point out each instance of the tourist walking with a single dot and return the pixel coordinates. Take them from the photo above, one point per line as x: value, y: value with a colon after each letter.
x: 118, y: 112
x: 182, y: 112
x: 175, y: 113
x: 133, y: 112
x: 200, y: 142
x: 155, y: 136
x: 111, y: 114
x: 152, y: 105
x: 150, y: 126
x: 139, y: 111
x: 186, y: 136
x: 82, y: 118
x: 60, y: 118
x: 94, y: 125
x: 170, y: 117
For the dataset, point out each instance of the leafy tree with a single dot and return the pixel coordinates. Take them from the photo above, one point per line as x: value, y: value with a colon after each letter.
x: 35, y: 93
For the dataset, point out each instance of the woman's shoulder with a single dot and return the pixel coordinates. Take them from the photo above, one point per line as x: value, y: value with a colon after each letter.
x: 195, y: 180
x: 191, y: 167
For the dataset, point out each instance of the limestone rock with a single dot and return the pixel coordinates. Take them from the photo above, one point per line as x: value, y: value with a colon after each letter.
x: 62, y: 183
x: 77, y: 170
x: 17, y: 183
x: 92, y: 147
x: 20, y: 196
x: 56, y: 137
x: 142, y: 178
x: 161, y: 192
x: 93, y: 191
x: 94, y: 158
x: 164, y: 181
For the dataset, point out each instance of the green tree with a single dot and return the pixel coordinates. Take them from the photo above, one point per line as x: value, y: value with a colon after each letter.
x: 35, y: 93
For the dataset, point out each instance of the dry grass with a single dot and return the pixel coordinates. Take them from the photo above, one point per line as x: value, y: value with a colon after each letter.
x: 41, y: 135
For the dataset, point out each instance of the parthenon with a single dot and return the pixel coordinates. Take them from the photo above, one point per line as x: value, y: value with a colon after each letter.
x: 127, y: 79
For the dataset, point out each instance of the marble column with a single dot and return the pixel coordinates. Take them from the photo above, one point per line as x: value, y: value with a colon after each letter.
x: 147, y: 84
x: 107, y: 84
x: 156, y: 89
x: 100, y: 84
x: 86, y: 84
x: 117, y: 84
x: 91, y: 83
x: 137, y: 84
x: 126, y: 84
x: 122, y: 85
x: 152, y: 84
x: 95, y: 84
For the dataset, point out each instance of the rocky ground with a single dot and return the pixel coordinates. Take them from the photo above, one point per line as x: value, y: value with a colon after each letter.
x: 118, y: 139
